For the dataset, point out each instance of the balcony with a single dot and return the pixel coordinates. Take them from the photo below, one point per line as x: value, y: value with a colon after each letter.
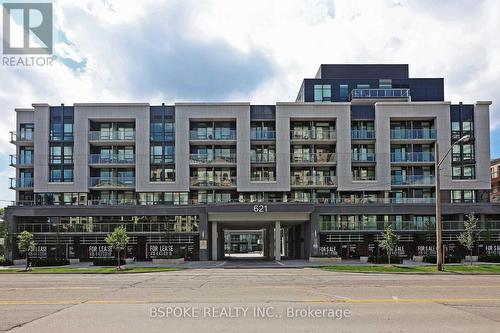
x: 99, y: 136
x: 111, y: 182
x: 363, y: 157
x: 314, y: 181
x: 21, y: 183
x: 363, y: 134
x: 413, y: 134
x: 107, y: 159
x: 262, y: 158
x: 325, y: 158
x: 380, y: 94
x: 412, y: 157
x: 228, y: 134
x: 210, y: 159
x: 213, y: 182
x: 22, y: 162
x: 363, y: 178
x: 263, y: 179
x: 412, y: 180
x: 313, y: 135
x: 262, y: 135
x: 25, y: 138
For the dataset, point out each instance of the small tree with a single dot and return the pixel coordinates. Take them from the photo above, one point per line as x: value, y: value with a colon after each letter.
x: 26, y: 244
x: 389, y: 242
x: 468, y: 237
x: 118, y: 240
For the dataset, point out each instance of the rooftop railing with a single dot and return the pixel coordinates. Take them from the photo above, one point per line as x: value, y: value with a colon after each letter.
x: 380, y: 93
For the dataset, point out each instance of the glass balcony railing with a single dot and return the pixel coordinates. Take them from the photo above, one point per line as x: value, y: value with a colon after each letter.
x: 413, y: 134
x: 21, y: 137
x: 380, y: 93
x: 363, y: 157
x: 313, y: 134
x: 111, y: 136
x: 210, y: 159
x: 363, y: 134
x: 262, y: 158
x: 226, y: 134
x: 111, y: 159
x: 264, y: 179
x: 262, y: 135
x: 412, y: 157
x: 213, y: 182
x: 412, y: 180
x: 314, y: 158
x: 359, y: 178
x: 21, y: 183
x: 313, y: 181
x: 106, y: 182
x: 21, y: 160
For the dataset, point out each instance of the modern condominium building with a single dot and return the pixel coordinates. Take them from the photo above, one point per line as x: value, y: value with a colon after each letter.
x: 322, y: 175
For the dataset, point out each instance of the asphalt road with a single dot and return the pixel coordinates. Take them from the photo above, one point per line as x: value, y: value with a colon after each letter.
x: 249, y: 300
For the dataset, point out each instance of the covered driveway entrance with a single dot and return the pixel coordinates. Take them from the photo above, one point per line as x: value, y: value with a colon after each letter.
x: 271, y: 236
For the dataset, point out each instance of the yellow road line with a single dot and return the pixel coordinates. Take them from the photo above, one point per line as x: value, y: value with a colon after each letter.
x: 319, y: 301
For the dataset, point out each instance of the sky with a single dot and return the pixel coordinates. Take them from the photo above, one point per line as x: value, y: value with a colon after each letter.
x: 257, y: 51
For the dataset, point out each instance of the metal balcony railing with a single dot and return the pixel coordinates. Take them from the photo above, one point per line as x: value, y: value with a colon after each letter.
x: 262, y: 135
x: 412, y: 180
x: 210, y: 159
x: 20, y: 183
x: 313, y: 180
x: 413, y: 134
x: 229, y: 134
x: 363, y: 134
x: 363, y: 178
x: 313, y: 158
x: 262, y: 158
x: 213, y: 182
x: 380, y: 93
x: 106, y: 182
x: 313, y: 134
x: 111, y: 159
x: 412, y: 157
x: 111, y: 136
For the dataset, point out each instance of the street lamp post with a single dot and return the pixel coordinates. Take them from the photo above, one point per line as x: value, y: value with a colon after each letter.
x: 439, y: 246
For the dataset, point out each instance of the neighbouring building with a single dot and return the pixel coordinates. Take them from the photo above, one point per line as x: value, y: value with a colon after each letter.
x: 322, y: 175
x: 495, y: 180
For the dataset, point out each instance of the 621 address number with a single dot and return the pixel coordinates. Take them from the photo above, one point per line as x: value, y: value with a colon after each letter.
x: 260, y: 208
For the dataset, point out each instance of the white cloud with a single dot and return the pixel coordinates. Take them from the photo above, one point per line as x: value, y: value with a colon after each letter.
x: 457, y: 40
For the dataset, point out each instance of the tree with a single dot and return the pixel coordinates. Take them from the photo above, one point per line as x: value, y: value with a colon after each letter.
x: 26, y: 244
x: 118, y: 240
x: 468, y: 237
x: 389, y: 242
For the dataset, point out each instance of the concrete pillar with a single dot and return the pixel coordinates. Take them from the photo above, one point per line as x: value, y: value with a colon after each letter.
x: 314, y: 234
x: 204, y: 254
x: 215, y: 241
x: 277, y: 240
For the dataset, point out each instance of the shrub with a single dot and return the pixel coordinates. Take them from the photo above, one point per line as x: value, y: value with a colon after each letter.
x: 4, y: 261
x: 490, y: 258
x: 48, y: 262
x: 447, y: 260
x: 383, y: 260
x: 107, y: 262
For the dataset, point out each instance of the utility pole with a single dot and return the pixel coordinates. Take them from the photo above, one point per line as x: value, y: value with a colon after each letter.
x: 439, y: 247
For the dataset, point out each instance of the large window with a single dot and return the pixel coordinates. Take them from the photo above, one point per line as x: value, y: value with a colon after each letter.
x: 26, y: 132
x: 344, y: 92
x: 322, y: 93
x: 61, y: 144
x: 162, y: 149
